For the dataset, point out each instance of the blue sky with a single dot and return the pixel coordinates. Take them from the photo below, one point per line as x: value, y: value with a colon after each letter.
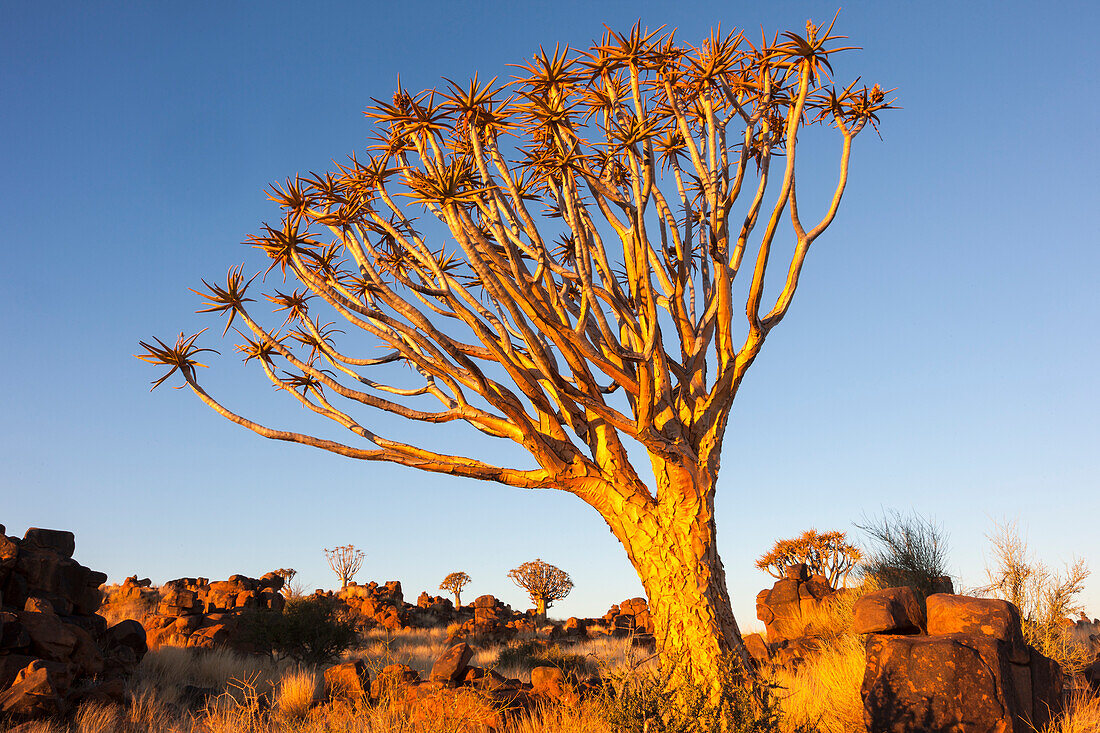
x: 940, y: 355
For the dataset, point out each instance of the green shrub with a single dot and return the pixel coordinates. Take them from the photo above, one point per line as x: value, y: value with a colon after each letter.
x: 907, y: 550
x: 531, y: 653
x: 657, y: 701
x: 312, y: 630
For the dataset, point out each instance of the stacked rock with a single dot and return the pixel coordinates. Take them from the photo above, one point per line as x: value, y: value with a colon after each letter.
x: 194, y: 612
x: 55, y: 650
x: 630, y: 618
x: 785, y: 607
x: 964, y: 666
x: 373, y: 605
x: 492, y: 620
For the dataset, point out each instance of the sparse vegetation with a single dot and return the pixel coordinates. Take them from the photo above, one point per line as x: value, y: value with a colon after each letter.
x: 907, y: 549
x: 310, y: 630
x: 527, y: 654
x: 1046, y: 598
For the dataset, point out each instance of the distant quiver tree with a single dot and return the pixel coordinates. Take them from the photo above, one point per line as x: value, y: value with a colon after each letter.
x: 824, y: 553
x: 345, y: 561
x: 454, y: 583
x: 543, y: 582
x: 552, y: 261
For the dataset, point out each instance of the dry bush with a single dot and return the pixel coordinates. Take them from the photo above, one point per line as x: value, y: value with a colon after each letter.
x: 1045, y: 597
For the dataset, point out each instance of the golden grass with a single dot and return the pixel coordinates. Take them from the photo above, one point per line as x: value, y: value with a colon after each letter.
x: 824, y: 692
x: 1082, y: 715
x: 296, y: 693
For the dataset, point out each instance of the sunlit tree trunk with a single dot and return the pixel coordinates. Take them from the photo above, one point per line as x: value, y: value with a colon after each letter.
x: 673, y: 549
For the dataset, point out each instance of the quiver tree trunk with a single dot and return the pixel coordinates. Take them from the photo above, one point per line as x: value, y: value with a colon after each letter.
x: 672, y: 546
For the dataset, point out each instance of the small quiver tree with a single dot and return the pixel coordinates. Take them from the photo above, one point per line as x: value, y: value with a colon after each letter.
x: 345, y: 561
x: 454, y: 583
x: 287, y: 574
x: 544, y: 582
x: 598, y: 210
x: 824, y: 553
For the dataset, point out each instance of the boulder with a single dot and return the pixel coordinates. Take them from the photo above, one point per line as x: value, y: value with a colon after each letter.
x: 549, y: 682
x: 888, y: 611
x: 962, y: 683
x: 33, y: 694
x: 951, y: 614
x: 451, y: 666
x: 50, y: 638
x: 54, y: 540
x: 349, y: 681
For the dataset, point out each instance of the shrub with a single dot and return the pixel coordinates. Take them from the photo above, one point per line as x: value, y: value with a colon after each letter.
x: 528, y: 654
x: 657, y: 701
x: 311, y: 630
x: 1045, y: 597
x: 908, y: 550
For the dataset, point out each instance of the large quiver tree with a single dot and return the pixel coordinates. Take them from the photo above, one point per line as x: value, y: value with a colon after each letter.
x: 597, y: 211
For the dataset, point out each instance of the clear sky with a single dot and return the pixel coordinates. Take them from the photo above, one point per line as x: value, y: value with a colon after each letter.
x: 940, y: 356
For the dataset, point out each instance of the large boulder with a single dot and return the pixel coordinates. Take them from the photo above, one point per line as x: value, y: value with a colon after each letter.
x: 451, y: 666
x: 973, y: 674
x: 349, y: 681
x: 957, y: 683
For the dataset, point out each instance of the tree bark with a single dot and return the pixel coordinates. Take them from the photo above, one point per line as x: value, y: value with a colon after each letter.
x: 673, y: 548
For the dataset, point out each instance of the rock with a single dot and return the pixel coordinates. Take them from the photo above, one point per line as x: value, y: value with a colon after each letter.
x: 888, y: 611
x: 32, y: 695
x: 951, y: 614
x: 392, y: 680
x: 962, y: 683
x: 54, y: 540
x: 548, y: 681
x: 757, y: 648
x: 40, y: 605
x: 797, y: 572
x: 451, y: 666
x: 112, y: 691
x: 349, y: 681
x: 50, y: 638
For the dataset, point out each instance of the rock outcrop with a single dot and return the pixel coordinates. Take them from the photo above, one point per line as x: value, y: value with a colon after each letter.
x: 55, y: 649
x: 972, y: 672
x: 790, y: 602
x: 195, y: 612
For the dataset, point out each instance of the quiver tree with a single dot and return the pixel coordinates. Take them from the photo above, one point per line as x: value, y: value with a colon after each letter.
x: 454, y: 583
x: 287, y: 574
x: 824, y: 553
x: 543, y: 582
x: 345, y: 561
x: 570, y: 287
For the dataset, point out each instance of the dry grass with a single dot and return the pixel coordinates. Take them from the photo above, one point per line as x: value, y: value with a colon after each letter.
x: 824, y: 693
x: 1082, y: 715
